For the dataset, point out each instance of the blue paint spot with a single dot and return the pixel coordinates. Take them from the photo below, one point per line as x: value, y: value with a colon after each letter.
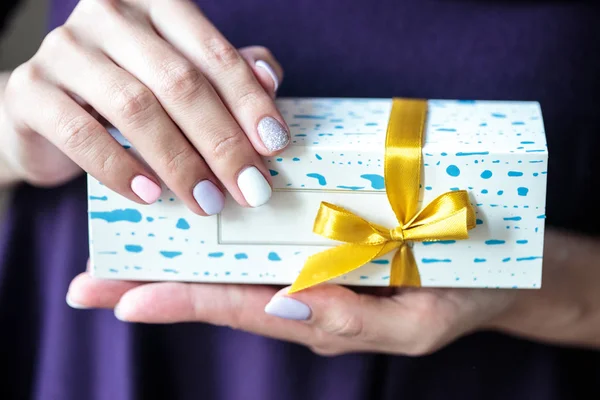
x: 295, y: 159
x: 149, y: 219
x: 371, y: 124
x: 300, y: 135
x: 483, y: 124
x: 484, y: 191
x: 133, y: 248
x: 518, y: 123
x: 128, y: 215
x: 479, y: 260
x: 273, y: 256
x: 182, y: 224
x: 528, y: 258
x: 364, y: 277
x: 527, y: 142
x: 522, y: 241
x: 444, y: 154
x: 428, y: 187
x: 439, y: 242
x: 151, y: 235
x: 454, y: 189
x: 507, y: 259
x: 273, y: 172
x: 522, y: 191
x: 376, y: 180
x: 350, y: 187
x: 435, y: 260
x: 339, y: 127
x: 318, y: 157
x: 241, y: 256
x: 474, y: 153
x: 170, y: 270
x: 500, y: 192
x: 513, y: 218
x: 536, y: 161
x: 515, y: 173
x: 380, y: 262
x: 308, y: 116
x: 217, y: 254
x: 107, y: 252
x: 279, y: 159
x: 320, y: 178
x: 487, y: 174
x: 498, y: 115
x: 534, y: 151
x: 479, y: 221
x: 453, y: 170
x: 494, y: 242
x: 170, y: 254
x: 446, y: 129
x: 113, y: 270
x: 101, y: 198
x: 535, y: 174
x: 495, y: 161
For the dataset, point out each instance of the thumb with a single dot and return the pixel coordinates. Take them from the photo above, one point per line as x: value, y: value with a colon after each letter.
x: 341, y: 312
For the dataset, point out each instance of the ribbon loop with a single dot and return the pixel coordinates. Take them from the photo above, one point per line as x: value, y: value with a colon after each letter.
x: 449, y: 216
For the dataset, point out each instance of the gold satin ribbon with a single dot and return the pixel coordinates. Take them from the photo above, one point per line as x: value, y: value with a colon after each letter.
x: 448, y: 217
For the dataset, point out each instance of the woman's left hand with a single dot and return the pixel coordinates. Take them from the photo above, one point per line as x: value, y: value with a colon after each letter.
x: 329, y: 319
x: 335, y: 320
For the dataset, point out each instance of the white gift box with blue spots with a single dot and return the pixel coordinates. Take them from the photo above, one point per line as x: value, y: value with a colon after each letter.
x: 495, y: 150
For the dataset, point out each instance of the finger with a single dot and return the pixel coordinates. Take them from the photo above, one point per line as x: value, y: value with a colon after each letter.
x: 86, y: 291
x: 236, y: 306
x: 187, y: 97
x: 133, y: 109
x: 77, y: 134
x: 343, y: 313
x: 266, y: 68
x: 199, y: 40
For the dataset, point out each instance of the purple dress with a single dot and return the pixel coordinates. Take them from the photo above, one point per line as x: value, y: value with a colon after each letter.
x: 484, y: 49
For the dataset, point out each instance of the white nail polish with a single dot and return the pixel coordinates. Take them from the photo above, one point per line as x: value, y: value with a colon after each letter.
x: 267, y: 68
x: 254, y: 187
x: 119, y: 314
x: 75, y: 305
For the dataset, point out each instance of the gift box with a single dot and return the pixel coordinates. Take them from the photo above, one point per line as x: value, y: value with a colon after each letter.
x: 370, y: 192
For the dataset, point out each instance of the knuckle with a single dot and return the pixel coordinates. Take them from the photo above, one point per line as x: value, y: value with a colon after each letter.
x: 177, y: 161
x: 220, y: 54
x: 249, y: 96
x: 76, y: 133
x: 345, y: 325
x: 134, y: 102
x: 58, y: 39
x: 181, y: 81
x: 224, y: 145
x: 21, y: 78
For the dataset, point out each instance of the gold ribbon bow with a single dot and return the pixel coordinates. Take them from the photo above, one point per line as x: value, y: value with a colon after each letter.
x: 448, y: 217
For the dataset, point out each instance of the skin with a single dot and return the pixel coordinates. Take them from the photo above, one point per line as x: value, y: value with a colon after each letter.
x: 191, y: 108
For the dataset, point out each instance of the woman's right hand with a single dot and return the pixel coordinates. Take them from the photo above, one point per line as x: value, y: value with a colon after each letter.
x: 199, y: 112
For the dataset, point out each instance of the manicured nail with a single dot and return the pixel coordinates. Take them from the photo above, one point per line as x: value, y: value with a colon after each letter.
x: 267, y: 68
x: 288, y: 308
x: 209, y: 197
x: 254, y: 187
x: 73, y: 304
x: 119, y: 314
x: 273, y: 135
x: 145, y: 189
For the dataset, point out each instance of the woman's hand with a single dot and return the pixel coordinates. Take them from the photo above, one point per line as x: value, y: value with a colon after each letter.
x: 334, y: 320
x: 199, y: 112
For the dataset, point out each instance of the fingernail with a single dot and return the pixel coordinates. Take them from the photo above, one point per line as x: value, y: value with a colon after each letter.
x: 209, y: 197
x: 119, y: 314
x: 288, y: 308
x: 273, y: 135
x: 267, y: 68
x: 73, y: 304
x: 145, y: 189
x: 254, y: 187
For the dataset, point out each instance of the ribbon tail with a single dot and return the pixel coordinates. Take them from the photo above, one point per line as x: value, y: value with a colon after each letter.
x: 331, y: 263
x: 404, y: 270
